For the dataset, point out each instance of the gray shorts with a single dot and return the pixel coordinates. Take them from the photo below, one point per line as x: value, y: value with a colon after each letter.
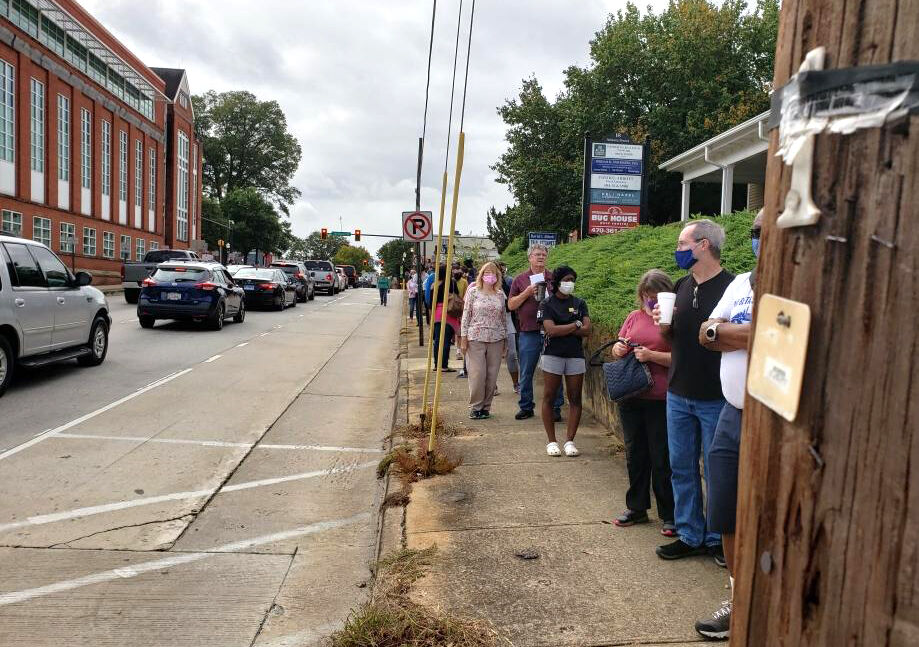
x: 563, y: 365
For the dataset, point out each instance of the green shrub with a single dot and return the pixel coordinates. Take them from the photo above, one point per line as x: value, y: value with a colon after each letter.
x: 609, y: 267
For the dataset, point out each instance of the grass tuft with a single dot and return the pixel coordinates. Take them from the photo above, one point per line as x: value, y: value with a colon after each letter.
x: 416, y: 463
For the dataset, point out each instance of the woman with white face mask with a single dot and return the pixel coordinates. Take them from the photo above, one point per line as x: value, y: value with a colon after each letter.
x: 484, y: 338
x: 565, y: 323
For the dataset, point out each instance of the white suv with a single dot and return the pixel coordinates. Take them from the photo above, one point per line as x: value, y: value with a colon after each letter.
x: 46, y: 313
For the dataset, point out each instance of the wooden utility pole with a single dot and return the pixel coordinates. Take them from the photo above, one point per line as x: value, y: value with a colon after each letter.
x: 828, y: 525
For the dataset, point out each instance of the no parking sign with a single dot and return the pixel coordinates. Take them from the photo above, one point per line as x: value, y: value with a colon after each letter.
x: 417, y: 226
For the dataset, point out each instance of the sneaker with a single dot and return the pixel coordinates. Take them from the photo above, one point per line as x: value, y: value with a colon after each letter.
x: 678, y: 550
x: 475, y: 415
x: 717, y: 552
x: 484, y: 414
x: 718, y: 627
x: 630, y: 518
x: 523, y: 415
x: 557, y: 416
x: 462, y: 373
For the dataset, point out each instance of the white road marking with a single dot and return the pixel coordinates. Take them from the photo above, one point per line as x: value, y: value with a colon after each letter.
x: 220, y: 443
x: 301, y: 316
x: 92, y: 414
x: 264, y: 333
x: 177, y: 559
x: 42, y: 519
x: 245, y: 343
x: 212, y: 359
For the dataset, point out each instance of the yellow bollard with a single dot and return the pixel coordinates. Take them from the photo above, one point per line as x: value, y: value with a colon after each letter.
x: 440, y: 233
x: 449, y: 263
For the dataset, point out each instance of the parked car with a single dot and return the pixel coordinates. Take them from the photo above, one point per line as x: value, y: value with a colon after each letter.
x: 351, y: 273
x: 190, y: 291
x: 233, y: 269
x: 267, y: 286
x: 306, y: 285
x: 133, y: 274
x: 47, y: 314
x: 323, y: 272
x: 342, y: 279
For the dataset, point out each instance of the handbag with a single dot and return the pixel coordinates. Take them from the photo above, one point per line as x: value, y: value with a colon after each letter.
x: 454, y: 306
x: 625, y: 378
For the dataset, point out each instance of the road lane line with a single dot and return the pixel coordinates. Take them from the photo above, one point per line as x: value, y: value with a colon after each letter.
x: 245, y: 343
x: 220, y: 443
x: 92, y: 414
x: 126, y: 572
x: 264, y: 333
x: 42, y: 519
x: 212, y: 359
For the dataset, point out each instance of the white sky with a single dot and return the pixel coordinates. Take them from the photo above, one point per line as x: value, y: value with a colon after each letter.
x: 350, y: 75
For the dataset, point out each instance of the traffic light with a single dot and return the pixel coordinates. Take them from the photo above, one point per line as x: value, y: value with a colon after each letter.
x: 323, y: 233
x: 357, y: 235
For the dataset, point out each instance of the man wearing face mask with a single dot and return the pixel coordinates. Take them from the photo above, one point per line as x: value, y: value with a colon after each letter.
x: 694, y: 397
x: 728, y: 332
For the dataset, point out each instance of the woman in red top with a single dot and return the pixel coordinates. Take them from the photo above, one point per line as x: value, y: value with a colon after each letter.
x: 644, y: 418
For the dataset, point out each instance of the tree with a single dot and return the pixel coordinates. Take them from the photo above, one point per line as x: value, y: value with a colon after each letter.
x: 213, y: 223
x: 256, y: 225
x: 350, y: 255
x: 246, y: 144
x: 391, y: 254
x: 679, y: 77
x: 313, y: 247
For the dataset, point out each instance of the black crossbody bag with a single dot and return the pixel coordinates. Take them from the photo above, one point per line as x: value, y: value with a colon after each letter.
x: 625, y: 378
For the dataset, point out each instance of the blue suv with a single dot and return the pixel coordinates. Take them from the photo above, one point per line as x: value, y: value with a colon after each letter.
x: 191, y: 291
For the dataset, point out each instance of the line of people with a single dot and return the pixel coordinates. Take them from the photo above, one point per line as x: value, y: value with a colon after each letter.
x: 692, y: 412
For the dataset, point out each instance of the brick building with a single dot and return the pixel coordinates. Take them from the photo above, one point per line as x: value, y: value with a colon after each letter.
x: 95, y: 147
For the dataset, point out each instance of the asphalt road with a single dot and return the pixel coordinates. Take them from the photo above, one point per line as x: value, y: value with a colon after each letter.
x: 51, y: 396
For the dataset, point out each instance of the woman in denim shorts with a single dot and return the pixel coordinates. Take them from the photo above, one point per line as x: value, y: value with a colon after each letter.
x: 565, y: 324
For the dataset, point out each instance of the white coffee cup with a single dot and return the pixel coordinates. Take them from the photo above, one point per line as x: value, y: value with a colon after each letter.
x: 665, y: 301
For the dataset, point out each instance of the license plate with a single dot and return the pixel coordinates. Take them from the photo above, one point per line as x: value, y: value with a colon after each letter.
x: 249, y: 287
x: 173, y: 296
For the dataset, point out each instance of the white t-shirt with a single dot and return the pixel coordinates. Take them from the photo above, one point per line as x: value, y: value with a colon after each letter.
x: 736, y: 306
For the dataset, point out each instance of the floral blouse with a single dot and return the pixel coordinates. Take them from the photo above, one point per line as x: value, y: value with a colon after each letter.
x: 484, y: 316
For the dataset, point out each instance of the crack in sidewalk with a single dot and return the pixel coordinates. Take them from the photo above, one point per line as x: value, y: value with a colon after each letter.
x: 65, y: 544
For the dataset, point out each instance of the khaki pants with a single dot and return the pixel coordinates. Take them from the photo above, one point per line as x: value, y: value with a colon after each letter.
x: 483, y: 361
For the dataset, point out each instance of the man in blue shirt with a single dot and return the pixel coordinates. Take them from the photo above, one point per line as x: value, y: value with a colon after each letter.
x: 428, y: 294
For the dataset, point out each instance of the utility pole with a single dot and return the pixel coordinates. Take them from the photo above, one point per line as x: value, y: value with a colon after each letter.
x: 419, y: 294
x: 828, y: 508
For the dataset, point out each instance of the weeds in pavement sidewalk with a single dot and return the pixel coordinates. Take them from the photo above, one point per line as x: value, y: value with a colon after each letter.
x: 391, y: 619
x: 417, y: 430
x: 417, y: 463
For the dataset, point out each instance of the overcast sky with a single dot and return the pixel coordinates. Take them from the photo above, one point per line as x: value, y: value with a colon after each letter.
x: 349, y: 75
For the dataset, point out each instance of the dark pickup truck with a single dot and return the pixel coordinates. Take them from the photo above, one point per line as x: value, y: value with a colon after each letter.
x: 133, y: 274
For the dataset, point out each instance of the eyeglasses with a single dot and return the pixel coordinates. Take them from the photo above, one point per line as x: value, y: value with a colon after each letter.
x: 755, y: 233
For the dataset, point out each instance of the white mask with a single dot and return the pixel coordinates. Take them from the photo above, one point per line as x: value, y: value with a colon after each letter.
x: 566, y: 287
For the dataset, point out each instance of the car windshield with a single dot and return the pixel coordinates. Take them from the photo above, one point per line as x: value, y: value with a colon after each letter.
x: 318, y: 265
x: 288, y: 269
x: 180, y: 274
x: 164, y: 255
x: 252, y: 273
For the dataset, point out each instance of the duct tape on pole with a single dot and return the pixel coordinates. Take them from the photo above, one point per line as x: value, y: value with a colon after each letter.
x: 417, y: 226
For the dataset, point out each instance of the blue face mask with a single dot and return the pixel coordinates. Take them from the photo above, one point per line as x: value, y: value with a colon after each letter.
x: 684, y: 258
x: 755, y: 243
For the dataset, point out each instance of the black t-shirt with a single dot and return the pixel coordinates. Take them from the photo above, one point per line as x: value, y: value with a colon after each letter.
x: 561, y: 312
x: 695, y: 370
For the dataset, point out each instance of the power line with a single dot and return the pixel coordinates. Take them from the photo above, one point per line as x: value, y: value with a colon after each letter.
x: 459, y: 17
x: 427, y: 87
x: 468, y: 52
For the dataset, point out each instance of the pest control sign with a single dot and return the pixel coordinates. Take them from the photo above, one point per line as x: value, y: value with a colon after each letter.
x: 417, y: 226
x: 615, y: 184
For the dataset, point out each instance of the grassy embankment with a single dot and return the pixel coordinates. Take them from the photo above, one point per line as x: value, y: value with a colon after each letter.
x: 609, y: 267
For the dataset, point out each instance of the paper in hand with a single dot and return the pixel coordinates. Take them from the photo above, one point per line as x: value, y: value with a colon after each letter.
x: 536, y: 279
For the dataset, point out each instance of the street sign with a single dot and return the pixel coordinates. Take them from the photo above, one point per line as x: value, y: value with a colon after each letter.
x: 417, y: 226
x: 341, y: 233
x: 547, y: 238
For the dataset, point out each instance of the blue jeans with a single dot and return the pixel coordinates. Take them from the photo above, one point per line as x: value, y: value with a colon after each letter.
x: 690, y: 429
x: 529, y: 348
x: 411, y: 307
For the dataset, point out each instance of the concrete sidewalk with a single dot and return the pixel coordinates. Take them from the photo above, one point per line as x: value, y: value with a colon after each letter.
x: 592, y: 583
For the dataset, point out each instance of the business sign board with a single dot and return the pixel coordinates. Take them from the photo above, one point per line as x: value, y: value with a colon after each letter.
x: 547, y: 238
x: 615, y: 184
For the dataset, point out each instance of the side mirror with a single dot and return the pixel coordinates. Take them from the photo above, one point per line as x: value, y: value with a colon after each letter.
x: 83, y: 278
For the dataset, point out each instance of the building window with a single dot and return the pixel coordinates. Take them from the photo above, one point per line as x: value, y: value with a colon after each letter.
x: 63, y: 138
x: 125, y: 247
x: 194, y: 188
x: 115, y: 83
x: 138, y: 173
x: 25, y: 15
x: 86, y: 138
x: 106, y: 158
x: 151, y: 199
x: 41, y: 230
x: 139, y: 249
x: 108, y: 244
x: 182, y: 206
x: 89, y: 241
x: 154, y: 245
x: 52, y: 35
x: 76, y: 53
x: 11, y: 223
x: 68, y: 237
x: 123, y: 167
x: 38, y: 126
x: 97, y: 69
x: 7, y: 112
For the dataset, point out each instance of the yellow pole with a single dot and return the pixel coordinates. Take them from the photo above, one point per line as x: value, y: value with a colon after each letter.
x: 449, y: 264
x: 440, y: 233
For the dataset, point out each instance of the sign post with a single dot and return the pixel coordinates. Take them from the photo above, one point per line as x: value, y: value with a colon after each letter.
x: 614, y: 193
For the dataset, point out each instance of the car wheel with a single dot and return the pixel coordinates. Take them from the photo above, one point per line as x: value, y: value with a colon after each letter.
x: 7, y: 363
x: 131, y: 296
x: 312, y: 294
x: 146, y: 321
x: 293, y: 303
x: 302, y: 299
x: 98, y: 344
x: 217, y: 318
x: 241, y: 314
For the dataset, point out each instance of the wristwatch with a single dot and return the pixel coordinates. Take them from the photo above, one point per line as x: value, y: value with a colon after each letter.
x: 711, y: 333
x: 578, y: 324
